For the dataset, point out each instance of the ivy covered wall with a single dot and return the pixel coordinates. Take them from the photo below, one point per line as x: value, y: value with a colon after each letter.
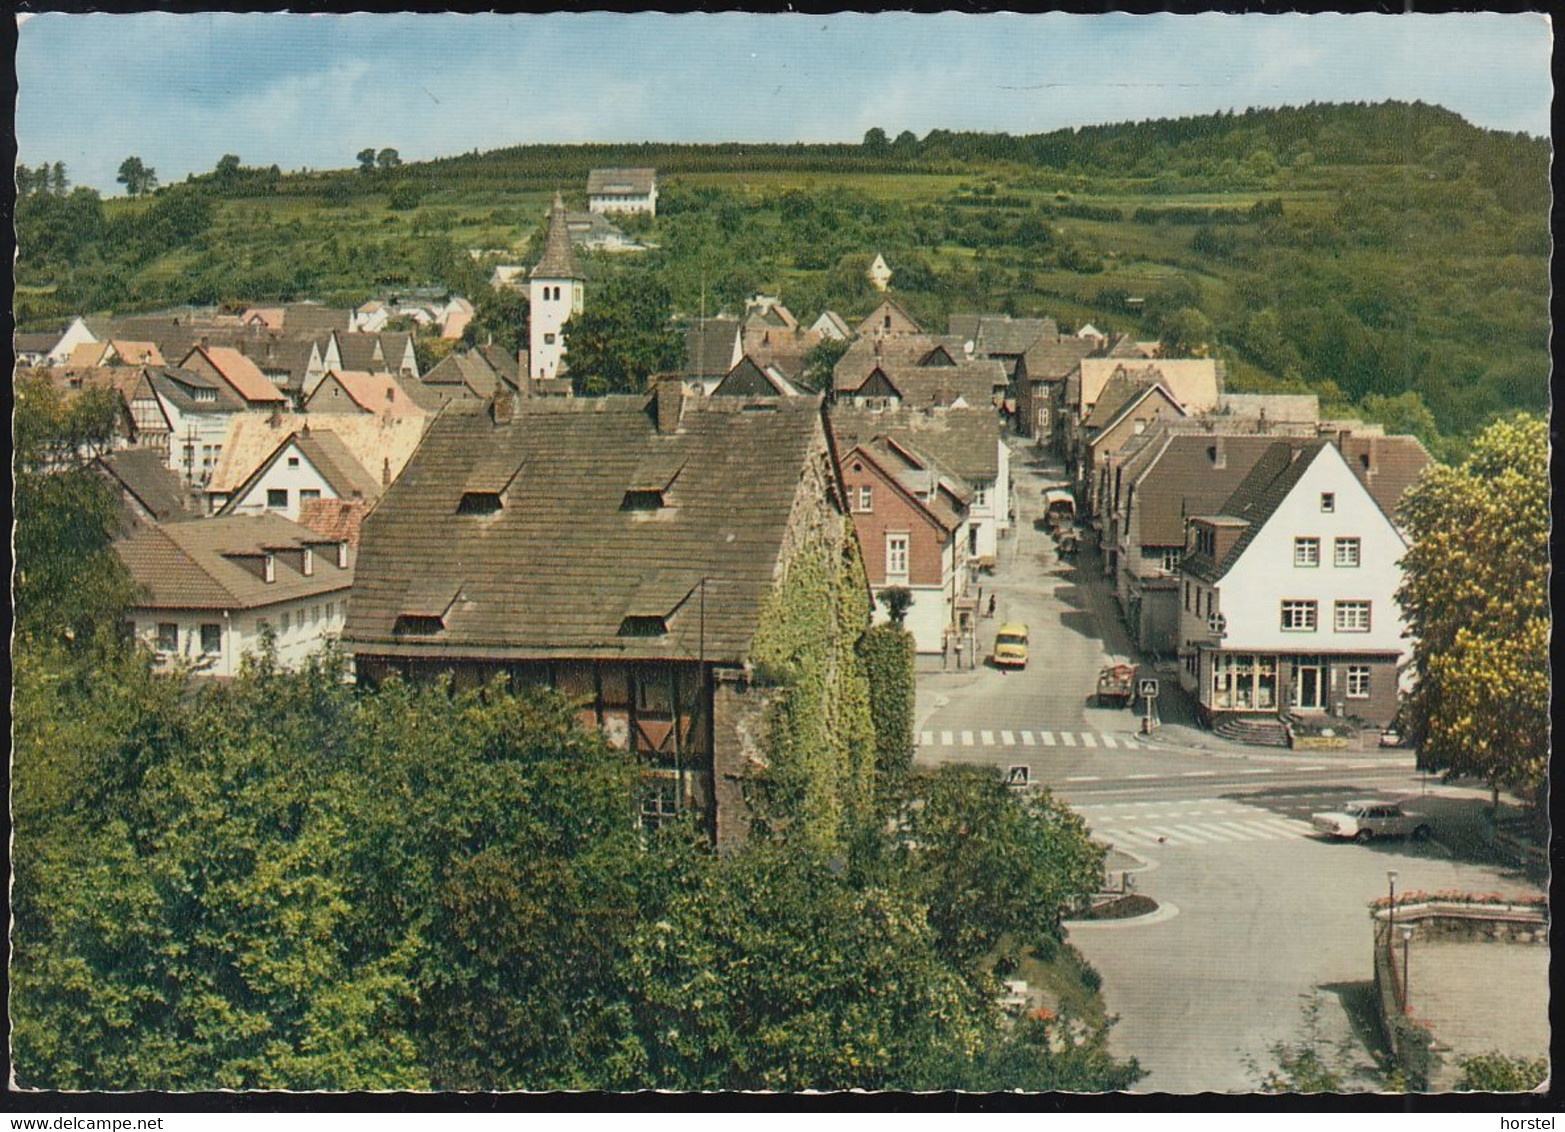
x: 819, y: 781
x: 887, y: 653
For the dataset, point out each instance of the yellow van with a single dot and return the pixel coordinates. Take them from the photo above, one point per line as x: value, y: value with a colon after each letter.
x: 1010, y: 645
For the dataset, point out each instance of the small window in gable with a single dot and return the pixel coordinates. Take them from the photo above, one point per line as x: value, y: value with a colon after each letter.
x: 1328, y: 501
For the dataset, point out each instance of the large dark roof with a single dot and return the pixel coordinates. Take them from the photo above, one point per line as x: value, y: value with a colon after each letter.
x: 188, y: 565
x: 144, y: 475
x: 176, y: 384
x: 924, y: 387
x: 1050, y: 359
x: 1255, y: 500
x: 1011, y: 336
x: 559, y: 567
x: 966, y: 441
x: 709, y: 346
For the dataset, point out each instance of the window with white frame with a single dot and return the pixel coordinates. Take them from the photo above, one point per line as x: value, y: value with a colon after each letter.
x: 1306, y: 552
x: 1170, y: 559
x: 896, y: 555
x: 1352, y: 617
x: 1299, y: 616
x: 981, y: 497
x: 659, y: 803
x: 866, y: 497
x: 1358, y: 681
x: 168, y: 636
x: 211, y: 639
x: 1347, y: 552
x: 1328, y: 501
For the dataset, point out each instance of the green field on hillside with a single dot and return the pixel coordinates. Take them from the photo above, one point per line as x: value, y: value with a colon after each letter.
x: 1392, y: 258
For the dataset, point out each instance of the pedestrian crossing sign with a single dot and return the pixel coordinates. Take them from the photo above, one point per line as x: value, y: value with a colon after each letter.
x: 1017, y: 775
x: 1148, y: 689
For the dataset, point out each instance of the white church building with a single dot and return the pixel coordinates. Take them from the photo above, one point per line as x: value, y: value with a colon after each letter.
x: 555, y: 293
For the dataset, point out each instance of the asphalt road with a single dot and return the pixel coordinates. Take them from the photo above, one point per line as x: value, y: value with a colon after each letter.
x: 1257, y: 911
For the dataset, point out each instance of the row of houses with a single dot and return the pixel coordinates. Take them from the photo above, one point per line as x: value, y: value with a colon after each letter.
x: 1248, y: 538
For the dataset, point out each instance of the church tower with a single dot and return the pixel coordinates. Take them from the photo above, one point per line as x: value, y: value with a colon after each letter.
x: 555, y: 292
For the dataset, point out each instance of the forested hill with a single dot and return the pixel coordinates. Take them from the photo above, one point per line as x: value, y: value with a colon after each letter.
x: 1365, y: 251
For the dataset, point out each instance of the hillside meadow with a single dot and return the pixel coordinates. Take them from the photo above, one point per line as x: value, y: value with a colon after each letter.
x: 1391, y: 257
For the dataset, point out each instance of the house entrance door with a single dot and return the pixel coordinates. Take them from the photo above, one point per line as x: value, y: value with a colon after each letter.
x: 1308, y: 694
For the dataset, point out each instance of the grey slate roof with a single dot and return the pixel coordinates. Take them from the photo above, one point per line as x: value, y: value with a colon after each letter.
x: 924, y: 387
x: 709, y: 346
x: 185, y: 565
x: 558, y: 568
x: 966, y: 441
x: 1050, y: 359
x: 177, y: 385
x: 615, y: 181
x: 559, y: 258
x: 1012, y: 336
x: 1256, y: 498
x: 747, y: 379
x: 144, y: 475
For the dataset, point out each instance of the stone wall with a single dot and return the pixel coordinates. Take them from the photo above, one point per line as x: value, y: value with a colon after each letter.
x: 739, y: 729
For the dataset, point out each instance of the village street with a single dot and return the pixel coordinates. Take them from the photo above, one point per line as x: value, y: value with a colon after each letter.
x: 1256, y: 910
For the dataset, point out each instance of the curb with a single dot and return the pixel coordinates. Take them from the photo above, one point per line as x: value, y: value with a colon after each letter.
x: 1165, y: 911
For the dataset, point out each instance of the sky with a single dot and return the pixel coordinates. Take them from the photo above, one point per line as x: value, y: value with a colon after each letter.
x: 310, y: 91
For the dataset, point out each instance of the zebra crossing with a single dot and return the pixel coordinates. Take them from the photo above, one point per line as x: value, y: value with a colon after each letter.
x: 1091, y: 740
x: 1160, y: 825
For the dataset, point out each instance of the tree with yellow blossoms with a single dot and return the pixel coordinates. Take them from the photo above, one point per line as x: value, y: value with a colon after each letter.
x: 1475, y: 593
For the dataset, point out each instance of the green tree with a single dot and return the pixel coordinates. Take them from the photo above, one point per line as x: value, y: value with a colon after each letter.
x: 69, y: 585
x: 226, y: 172
x: 821, y: 363
x: 1311, y: 1064
x: 59, y: 184
x: 137, y: 178
x: 1475, y: 597
x: 366, y: 159
x: 500, y: 316
x: 875, y: 141
x: 388, y: 159
x: 24, y: 180
x: 995, y: 866
x: 1186, y: 333
x: 624, y: 335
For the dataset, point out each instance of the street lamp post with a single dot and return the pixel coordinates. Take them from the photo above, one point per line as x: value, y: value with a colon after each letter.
x: 1407, y: 938
x: 1391, y: 905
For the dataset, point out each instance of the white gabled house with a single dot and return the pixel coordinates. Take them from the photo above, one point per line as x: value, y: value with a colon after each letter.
x: 1289, y: 594
x: 623, y: 190
x: 306, y: 465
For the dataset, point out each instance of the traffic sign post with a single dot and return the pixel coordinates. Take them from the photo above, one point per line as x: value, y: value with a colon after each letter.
x: 1148, y: 690
x: 1017, y: 776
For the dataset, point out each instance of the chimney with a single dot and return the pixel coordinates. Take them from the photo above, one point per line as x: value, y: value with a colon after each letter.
x: 502, y: 408
x: 276, y: 419
x: 385, y: 472
x: 307, y: 562
x: 669, y: 394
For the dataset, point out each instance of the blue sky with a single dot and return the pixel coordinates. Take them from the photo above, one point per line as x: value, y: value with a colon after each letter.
x: 179, y: 91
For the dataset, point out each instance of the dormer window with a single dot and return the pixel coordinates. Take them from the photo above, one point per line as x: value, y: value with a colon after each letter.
x: 479, y: 503
x: 637, y: 625
x: 417, y: 625
x: 642, y: 500
x: 269, y: 568
x: 307, y: 562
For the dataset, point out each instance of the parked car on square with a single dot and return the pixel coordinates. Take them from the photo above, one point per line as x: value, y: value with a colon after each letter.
x: 1366, y: 820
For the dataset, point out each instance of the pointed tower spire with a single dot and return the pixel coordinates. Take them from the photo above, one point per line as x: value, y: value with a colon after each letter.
x: 559, y: 259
